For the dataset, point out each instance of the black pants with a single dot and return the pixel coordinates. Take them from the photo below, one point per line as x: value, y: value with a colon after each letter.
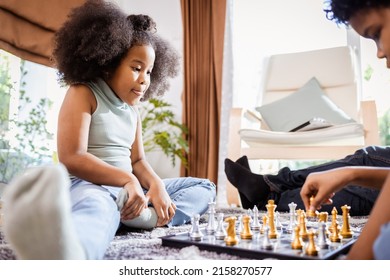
x: 288, y: 183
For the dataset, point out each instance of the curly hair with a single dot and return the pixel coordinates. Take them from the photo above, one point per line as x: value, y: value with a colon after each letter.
x: 340, y: 11
x: 97, y: 36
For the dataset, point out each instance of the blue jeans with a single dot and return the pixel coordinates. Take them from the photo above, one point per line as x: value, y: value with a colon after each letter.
x: 382, y: 244
x: 97, y: 218
x: 287, y: 183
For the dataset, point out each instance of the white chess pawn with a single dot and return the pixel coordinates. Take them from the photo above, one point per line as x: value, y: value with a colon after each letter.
x: 210, y: 229
x: 322, y: 242
x: 255, y: 222
x: 240, y: 226
x: 278, y: 225
x: 266, y: 245
x: 220, y: 232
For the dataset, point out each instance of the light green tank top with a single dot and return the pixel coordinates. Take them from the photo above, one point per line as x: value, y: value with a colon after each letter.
x: 113, y: 127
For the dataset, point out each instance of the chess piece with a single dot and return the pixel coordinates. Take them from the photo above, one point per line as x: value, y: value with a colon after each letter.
x: 246, y: 232
x: 335, y: 233
x: 220, y: 232
x: 255, y: 222
x: 311, y: 213
x: 296, y: 244
x: 311, y: 249
x: 334, y: 219
x: 322, y: 242
x: 231, y: 238
x: 345, y: 229
x: 266, y: 245
x: 265, y: 219
x: 292, y: 221
x: 278, y: 223
x: 210, y: 228
x: 271, y: 219
x: 195, y: 233
x: 323, y: 218
x: 250, y: 212
x: 302, y: 226
x: 240, y: 225
x: 192, y: 225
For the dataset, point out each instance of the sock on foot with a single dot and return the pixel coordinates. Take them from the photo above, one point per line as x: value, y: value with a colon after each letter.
x: 245, y: 203
x: 147, y: 219
x: 243, y: 161
x: 249, y: 184
x: 37, y: 215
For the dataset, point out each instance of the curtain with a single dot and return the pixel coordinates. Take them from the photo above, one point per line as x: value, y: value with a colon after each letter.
x: 28, y: 27
x: 203, y: 26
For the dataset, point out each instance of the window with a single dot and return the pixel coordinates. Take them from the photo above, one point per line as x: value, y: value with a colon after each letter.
x: 29, y: 96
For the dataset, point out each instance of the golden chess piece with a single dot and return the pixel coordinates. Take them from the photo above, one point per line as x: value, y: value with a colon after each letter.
x: 271, y: 219
x: 335, y: 234
x: 311, y: 213
x: 296, y: 244
x: 231, y: 237
x: 299, y: 212
x: 264, y: 225
x: 311, y: 249
x: 302, y: 227
x: 323, y: 217
x: 246, y: 232
x: 345, y: 229
x: 334, y: 219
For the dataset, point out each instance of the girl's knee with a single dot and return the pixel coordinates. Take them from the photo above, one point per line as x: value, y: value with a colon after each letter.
x: 382, y: 244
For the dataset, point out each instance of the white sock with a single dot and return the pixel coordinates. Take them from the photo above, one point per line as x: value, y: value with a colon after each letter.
x: 147, y: 219
x: 37, y: 215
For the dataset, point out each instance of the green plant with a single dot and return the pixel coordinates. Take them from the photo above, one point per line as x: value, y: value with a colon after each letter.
x: 161, y: 130
x: 384, y: 128
x: 22, y: 138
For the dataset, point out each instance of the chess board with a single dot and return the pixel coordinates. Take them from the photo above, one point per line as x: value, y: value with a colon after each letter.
x: 252, y: 249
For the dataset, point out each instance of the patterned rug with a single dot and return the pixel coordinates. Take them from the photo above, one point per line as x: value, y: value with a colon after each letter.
x: 131, y: 244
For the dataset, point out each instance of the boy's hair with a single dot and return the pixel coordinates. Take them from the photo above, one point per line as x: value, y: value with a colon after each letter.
x: 341, y: 11
x: 98, y: 35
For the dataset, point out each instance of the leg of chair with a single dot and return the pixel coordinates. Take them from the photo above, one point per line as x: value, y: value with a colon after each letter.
x: 370, y: 122
x: 234, y: 151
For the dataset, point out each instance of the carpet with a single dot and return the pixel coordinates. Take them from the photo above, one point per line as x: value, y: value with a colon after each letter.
x: 133, y: 244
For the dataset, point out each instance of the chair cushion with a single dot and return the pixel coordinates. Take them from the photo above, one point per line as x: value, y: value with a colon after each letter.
x: 308, y: 103
x: 259, y: 137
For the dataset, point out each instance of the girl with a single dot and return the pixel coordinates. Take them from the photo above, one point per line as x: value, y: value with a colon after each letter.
x: 111, y: 62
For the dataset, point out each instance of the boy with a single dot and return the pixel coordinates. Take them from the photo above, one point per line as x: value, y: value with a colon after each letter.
x: 370, y: 19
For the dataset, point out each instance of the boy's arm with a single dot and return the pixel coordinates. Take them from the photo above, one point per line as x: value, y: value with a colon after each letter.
x: 322, y: 185
x: 380, y: 215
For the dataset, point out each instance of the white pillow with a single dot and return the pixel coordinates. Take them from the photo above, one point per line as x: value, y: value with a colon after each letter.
x: 301, y: 107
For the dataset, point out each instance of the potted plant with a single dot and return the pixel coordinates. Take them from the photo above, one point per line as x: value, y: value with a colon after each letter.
x: 162, y: 132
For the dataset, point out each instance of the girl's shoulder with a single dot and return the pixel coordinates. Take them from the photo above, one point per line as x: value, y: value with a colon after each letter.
x: 81, y: 93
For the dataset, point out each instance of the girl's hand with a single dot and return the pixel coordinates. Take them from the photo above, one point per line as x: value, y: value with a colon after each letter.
x: 162, y: 203
x: 136, y: 202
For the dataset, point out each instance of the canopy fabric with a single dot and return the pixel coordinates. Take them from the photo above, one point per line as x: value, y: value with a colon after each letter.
x: 28, y: 27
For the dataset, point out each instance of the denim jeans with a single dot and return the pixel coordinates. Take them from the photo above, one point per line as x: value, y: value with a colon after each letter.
x: 97, y: 218
x: 382, y: 244
x: 287, y: 183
